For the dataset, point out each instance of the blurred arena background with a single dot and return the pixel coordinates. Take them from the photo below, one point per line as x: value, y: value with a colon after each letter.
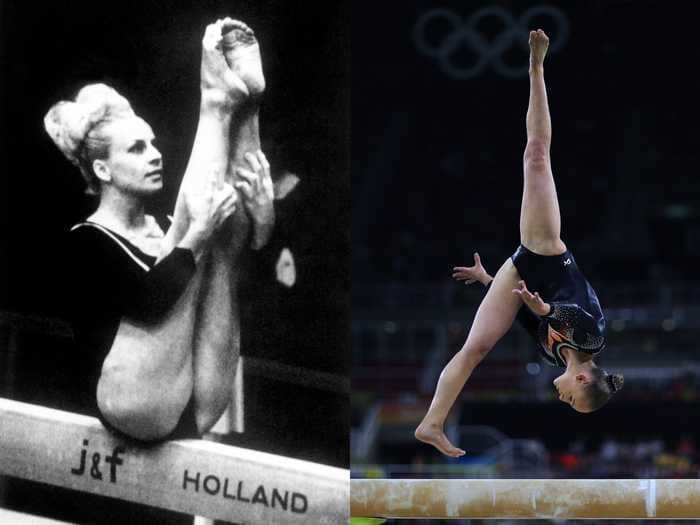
x: 439, y: 100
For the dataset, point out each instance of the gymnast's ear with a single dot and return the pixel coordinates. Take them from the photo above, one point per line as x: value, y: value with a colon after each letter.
x: 101, y: 170
x: 583, y: 378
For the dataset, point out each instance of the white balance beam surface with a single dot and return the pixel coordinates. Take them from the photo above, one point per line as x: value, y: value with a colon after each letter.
x: 11, y: 517
x: 191, y: 476
x: 527, y: 498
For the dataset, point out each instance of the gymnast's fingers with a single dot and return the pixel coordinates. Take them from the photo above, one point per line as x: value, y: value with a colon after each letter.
x: 229, y: 206
x: 227, y: 195
x: 253, y: 161
x: 263, y: 160
x: 248, y: 175
x: 245, y: 187
x: 523, y: 288
x: 460, y: 273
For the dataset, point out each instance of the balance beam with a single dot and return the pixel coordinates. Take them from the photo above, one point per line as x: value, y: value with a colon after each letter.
x: 10, y: 517
x: 526, y: 498
x: 192, y: 476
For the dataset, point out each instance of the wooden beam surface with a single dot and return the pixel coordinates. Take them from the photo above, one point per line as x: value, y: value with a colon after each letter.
x: 527, y: 498
x: 192, y: 476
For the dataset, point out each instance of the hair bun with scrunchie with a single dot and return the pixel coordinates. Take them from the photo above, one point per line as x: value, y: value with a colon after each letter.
x: 615, y: 382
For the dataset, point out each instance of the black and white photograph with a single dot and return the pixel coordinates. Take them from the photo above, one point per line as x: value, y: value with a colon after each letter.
x: 175, y: 262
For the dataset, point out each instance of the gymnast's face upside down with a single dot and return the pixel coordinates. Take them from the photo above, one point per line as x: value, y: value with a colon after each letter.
x: 585, y: 386
x: 572, y: 387
x: 133, y: 166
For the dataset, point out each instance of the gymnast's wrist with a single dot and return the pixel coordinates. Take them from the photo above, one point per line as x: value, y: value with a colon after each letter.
x: 194, y: 240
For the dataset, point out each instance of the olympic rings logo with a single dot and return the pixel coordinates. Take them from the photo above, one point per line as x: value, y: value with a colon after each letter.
x: 466, y: 33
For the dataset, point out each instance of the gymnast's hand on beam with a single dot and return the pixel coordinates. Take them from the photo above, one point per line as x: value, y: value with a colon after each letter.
x: 533, y: 301
x: 255, y: 185
x: 472, y: 274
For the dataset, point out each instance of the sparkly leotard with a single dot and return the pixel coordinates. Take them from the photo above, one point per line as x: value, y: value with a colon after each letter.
x: 576, y: 319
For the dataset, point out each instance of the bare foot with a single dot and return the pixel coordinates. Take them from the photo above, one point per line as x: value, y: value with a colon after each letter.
x: 539, y: 42
x: 433, y: 435
x: 218, y: 82
x: 242, y: 53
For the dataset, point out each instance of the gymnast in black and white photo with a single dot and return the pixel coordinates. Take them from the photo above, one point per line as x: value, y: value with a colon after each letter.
x: 155, y: 306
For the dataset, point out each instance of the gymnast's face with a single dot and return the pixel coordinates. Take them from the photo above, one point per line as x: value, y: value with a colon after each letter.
x: 134, y: 165
x: 571, y: 389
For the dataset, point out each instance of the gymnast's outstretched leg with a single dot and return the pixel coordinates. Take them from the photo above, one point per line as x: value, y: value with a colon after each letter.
x: 540, y: 220
x: 493, y: 319
x: 218, y: 333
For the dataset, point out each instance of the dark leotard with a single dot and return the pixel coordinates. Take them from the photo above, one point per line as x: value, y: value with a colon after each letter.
x: 110, y: 278
x: 576, y: 319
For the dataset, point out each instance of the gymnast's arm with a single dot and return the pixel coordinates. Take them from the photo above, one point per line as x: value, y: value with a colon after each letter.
x: 209, y: 203
x: 586, y: 330
x: 199, y: 212
x: 258, y: 195
x: 477, y: 273
x: 472, y: 274
x: 108, y: 280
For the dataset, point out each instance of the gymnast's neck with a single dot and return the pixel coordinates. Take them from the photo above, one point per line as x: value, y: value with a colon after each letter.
x: 119, y: 210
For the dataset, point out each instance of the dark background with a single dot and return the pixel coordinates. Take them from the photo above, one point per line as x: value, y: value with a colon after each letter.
x: 437, y: 175
x: 150, y: 52
x: 437, y: 160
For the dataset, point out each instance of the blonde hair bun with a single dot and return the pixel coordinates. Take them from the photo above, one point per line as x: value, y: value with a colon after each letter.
x: 68, y: 123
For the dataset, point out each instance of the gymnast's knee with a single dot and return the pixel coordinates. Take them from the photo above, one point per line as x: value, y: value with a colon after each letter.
x: 472, y: 354
x: 536, y: 153
x: 138, y: 417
